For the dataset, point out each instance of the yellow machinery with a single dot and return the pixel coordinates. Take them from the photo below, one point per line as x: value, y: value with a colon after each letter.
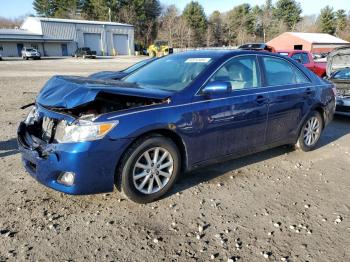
x: 159, y: 48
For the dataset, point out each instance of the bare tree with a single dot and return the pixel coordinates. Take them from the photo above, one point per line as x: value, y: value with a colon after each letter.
x: 11, y: 23
x: 168, y: 22
x: 308, y: 24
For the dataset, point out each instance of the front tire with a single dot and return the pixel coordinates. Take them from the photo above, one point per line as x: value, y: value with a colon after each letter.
x: 149, y: 168
x: 310, y: 132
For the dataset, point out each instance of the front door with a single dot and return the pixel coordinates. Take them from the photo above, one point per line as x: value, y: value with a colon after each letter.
x: 289, y: 98
x: 19, y: 49
x: 235, y: 122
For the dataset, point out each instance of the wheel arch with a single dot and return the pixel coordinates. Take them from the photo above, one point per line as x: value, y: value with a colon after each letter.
x: 318, y: 108
x: 176, y: 138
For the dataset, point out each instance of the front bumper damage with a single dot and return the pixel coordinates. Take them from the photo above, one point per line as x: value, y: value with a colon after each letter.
x: 93, y: 162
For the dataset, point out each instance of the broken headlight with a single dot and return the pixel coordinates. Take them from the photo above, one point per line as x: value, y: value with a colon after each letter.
x: 81, y: 131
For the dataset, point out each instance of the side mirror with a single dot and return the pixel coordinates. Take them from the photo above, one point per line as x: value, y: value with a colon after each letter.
x: 217, y: 87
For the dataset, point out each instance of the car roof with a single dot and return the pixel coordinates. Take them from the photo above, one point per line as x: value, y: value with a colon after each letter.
x: 221, y: 53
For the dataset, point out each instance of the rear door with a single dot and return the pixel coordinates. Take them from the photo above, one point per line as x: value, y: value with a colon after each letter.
x: 290, y: 96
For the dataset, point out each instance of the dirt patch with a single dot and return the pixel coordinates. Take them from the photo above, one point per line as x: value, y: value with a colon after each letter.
x: 278, y: 204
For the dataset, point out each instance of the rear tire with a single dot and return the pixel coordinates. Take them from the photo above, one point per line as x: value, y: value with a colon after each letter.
x: 149, y: 168
x: 310, y: 132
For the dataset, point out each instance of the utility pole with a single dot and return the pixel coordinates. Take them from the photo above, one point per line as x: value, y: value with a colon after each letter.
x: 109, y: 15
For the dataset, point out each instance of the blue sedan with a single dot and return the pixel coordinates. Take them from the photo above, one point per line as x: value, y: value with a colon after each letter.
x: 175, y: 114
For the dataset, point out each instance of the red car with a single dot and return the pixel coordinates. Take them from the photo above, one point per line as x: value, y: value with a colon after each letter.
x: 305, y: 57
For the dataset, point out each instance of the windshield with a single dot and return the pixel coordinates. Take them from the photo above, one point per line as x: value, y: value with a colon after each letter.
x: 172, y: 73
x: 136, y: 66
x: 344, y: 74
x: 30, y: 50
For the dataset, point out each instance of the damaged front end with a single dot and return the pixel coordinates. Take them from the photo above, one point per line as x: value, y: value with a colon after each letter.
x: 69, y: 107
x: 42, y: 128
x: 62, y: 140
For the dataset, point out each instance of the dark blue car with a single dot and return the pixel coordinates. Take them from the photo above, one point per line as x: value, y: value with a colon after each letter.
x: 179, y: 112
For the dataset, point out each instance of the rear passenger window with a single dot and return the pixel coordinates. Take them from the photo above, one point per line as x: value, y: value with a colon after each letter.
x: 281, y: 72
x: 241, y: 72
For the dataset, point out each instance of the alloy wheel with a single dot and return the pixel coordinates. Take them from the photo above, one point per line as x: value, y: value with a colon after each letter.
x: 152, y: 170
x: 312, y: 131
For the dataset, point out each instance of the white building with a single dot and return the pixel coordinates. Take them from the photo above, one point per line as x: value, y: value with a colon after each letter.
x: 61, y: 37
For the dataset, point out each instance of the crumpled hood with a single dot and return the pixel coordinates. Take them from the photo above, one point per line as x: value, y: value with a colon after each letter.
x: 72, y: 91
x: 108, y: 75
x: 338, y: 59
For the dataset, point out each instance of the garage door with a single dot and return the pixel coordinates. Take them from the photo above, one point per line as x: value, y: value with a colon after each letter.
x: 121, y: 44
x: 93, y: 41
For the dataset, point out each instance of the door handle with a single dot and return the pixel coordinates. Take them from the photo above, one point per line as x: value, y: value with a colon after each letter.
x: 261, y: 99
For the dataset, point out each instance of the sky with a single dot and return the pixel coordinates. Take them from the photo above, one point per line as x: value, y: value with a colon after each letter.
x: 15, y: 8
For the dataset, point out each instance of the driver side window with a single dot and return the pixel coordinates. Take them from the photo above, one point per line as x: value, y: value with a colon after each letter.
x: 241, y: 72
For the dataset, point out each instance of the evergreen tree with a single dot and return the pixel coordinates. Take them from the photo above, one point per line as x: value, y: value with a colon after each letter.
x: 327, y: 20
x: 240, y: 23
x: 341, y: 24
x: 66, y: 8
x: 197, y: 21
x: 44, y: 7
x: 288, y: 11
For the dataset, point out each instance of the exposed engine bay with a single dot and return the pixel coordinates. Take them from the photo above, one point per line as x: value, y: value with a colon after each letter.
x: 106, y: 103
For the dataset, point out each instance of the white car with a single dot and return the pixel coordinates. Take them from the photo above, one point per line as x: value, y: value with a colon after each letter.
x: 30, y: 53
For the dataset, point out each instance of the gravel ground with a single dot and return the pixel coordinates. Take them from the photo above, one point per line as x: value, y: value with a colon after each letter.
x: 278, y: 205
